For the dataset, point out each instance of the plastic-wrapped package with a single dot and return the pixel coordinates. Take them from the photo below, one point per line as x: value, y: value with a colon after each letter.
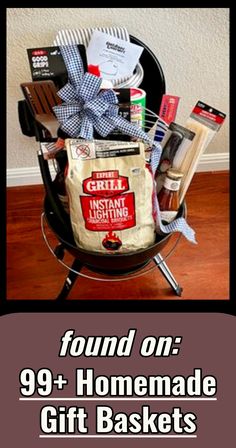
x: 204, y: 121
x: 110, y: 188
x: 175, y: 147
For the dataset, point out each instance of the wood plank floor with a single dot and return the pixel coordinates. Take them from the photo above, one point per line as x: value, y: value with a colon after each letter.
x: 202, y: 270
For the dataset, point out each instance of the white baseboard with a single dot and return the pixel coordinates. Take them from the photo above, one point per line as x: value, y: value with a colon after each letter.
x: 31, y: 175
x: 214, y: 162
x: 17, y: 177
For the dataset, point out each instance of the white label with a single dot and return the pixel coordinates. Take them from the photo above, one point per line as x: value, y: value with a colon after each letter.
x: 168, y: 216
x: 171, y: 184
x: 83, y: 150
x: 115, y: 57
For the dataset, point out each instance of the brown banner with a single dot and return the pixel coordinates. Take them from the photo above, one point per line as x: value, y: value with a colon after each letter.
x: 134, y: 379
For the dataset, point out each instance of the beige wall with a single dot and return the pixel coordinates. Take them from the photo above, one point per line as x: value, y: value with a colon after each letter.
x: 191, y: 44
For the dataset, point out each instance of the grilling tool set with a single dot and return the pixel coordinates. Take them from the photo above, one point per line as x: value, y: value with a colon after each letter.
x: 124, y: 177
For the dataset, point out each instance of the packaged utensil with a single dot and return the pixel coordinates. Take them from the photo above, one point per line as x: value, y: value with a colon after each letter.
x: 204, y: 121
x: 175, y: 147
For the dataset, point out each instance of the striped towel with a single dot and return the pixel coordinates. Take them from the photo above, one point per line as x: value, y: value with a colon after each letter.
x: 83, y: 35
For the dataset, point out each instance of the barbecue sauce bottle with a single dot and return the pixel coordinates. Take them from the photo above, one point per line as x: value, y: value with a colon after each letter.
x: 168, y: 196
x: 59, y: 181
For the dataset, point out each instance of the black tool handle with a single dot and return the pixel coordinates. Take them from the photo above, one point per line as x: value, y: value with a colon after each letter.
x: 53, y: 199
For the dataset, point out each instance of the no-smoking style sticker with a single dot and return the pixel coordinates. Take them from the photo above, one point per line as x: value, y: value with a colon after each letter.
x: 83, y: 151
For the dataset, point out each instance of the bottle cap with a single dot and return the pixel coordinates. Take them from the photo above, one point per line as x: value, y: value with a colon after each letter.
x: 174, y: 174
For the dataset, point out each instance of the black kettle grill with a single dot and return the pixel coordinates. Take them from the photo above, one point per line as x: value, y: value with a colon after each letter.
x: 115, y: 267
x: 119, y: 266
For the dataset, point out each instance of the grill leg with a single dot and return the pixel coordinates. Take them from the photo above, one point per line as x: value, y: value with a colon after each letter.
x: 70, y: 280
x: 162, y: 266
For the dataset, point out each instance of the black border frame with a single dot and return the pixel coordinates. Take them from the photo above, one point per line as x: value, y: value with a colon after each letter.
x: 9, y: 306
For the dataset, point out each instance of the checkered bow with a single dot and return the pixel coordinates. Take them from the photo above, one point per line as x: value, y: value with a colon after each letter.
x: 84, y: 108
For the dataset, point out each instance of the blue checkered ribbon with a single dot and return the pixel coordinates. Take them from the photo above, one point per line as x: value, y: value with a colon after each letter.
x: 85, y: 109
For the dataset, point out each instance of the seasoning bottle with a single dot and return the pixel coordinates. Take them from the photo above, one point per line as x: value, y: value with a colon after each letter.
x: 168, y: 196
x: 59, y: 181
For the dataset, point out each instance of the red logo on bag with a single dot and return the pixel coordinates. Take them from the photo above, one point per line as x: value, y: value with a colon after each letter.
x: 102, y: 214
x: 111, y: 241
x: 108, y: 207
x: 105, y: 183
